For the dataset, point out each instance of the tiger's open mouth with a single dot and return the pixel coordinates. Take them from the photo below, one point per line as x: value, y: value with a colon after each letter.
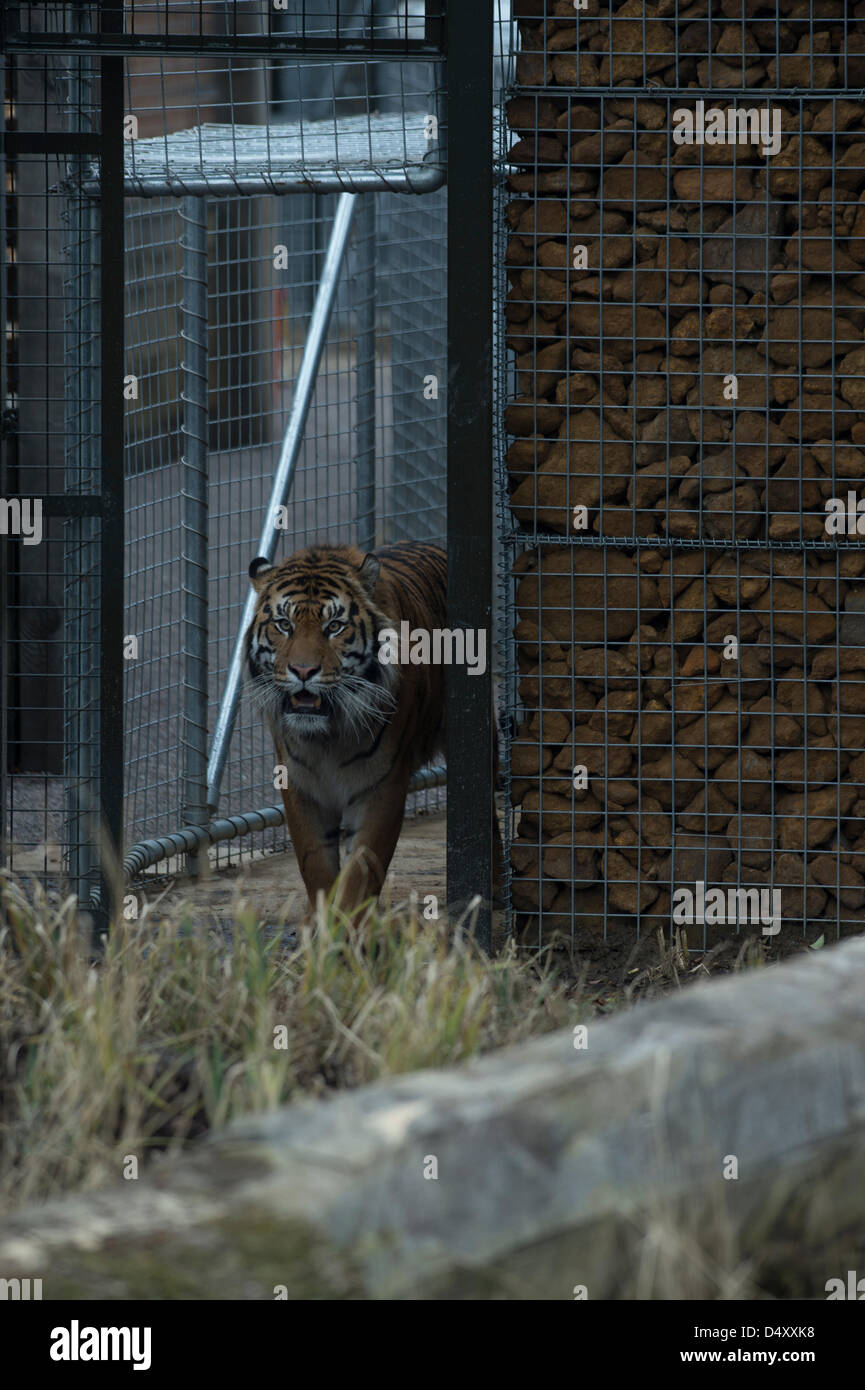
x: 303, y: 701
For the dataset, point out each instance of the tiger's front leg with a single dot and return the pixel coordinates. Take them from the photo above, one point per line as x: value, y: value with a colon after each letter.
x: 376, y: 829
x: 314, y: 832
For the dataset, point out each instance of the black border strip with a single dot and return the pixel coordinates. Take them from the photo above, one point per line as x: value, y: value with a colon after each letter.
x: 18, y: 142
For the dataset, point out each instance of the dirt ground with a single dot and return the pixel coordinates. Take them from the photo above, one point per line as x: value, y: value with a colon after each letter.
x: 272, y: 884
x: 606, y: 970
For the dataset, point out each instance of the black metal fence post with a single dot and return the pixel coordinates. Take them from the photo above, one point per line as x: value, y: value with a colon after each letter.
x: 470, y: 453
x: 111, y: 761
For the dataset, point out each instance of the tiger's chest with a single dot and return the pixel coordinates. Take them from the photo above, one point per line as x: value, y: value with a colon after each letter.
x: 338, y: 772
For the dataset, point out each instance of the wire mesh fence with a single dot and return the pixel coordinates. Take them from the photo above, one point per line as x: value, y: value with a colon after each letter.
x: 680, y: 464
x: 220, y: 285
x: 363, y: 27
x: 370, y: 387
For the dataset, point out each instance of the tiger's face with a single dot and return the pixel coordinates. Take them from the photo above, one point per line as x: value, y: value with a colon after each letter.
x: 312, y: 647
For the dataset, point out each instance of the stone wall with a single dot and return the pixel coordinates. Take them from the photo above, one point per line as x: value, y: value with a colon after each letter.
x: 706, y: 1146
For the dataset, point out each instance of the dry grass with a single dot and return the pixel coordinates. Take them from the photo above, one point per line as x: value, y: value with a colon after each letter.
x: 176, y: 1028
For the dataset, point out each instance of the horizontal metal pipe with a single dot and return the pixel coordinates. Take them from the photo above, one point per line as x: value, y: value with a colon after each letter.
x: 194, y: 837
x: 425, y: 180
x: 318, y: 50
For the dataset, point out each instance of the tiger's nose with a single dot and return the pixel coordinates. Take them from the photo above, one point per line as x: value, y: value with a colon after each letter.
x: 303, y: 673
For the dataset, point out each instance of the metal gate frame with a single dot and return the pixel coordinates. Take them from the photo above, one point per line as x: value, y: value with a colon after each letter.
x: 466, y: 39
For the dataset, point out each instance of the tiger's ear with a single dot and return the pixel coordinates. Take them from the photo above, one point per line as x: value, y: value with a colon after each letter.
x: 258, y: 572
x: 369, y: 572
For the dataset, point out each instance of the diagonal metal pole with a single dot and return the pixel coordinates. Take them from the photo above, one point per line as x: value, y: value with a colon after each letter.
x: 282, y: 478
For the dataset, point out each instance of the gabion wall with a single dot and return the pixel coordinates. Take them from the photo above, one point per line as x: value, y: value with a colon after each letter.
x: 684, y: 458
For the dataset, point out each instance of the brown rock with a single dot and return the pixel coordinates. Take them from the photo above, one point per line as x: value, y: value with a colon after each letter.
x: 801, y: 167
x: 790, y: 489
x: 671, y: 777
x: 526, y: 893
x: 653, y: 728
x: 752, y: 838
x: 549, y: 726
x: 850, y: 693
x: 531, y: 417
x: 746, y: 780
x: 798, y: 615
x: 615, y: 713
x: 842, y: 880
x: 709, y: 738
x: 570, y: 475
x: 734, y: 581
x: 803, y: 69
x: 799, y: 897
x: 697, y: 858
x: 808, y: 767
x: 850, y: 167
x: 649, y: 484
x: 690, y: 701
x: 688, y: 616
x: 619, y: 321
x: 524, y: 454
x: 814, y: 250
x: 533, y: 69
x: 581, y: 389
x: 627, y: 888
x: 601, y: 757
x: 588, y: 595
x: 700, y: 661
x: 751, y: 435
x: 527, y: 759
x: 746, y: 244
x: 601, y: 147
x: 552, y: 813
x: 625, y: 181
x: 528, y: 114
x: 537, y: 643
x: 839, y: 114
x: 809, y: 334
x: 772, y: 728
x: 797, y: 830
x: 713, y: 474
x: 544, y: 502
x: 709, y: 811
x: 713, y: 185
x: 603, y: 669
x: 555, y: 685
x: 654, y: 828
x: 537, y: 149
x: 846, y: 660
x: 562, y: 859
x: 743, y: 363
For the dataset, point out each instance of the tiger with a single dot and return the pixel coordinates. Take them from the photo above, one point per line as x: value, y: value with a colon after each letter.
x: 348, y: 728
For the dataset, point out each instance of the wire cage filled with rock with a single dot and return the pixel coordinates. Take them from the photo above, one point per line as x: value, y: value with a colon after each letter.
x: 681, y: 467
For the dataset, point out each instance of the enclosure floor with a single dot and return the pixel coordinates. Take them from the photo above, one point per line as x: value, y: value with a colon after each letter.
x: 273, y: 886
